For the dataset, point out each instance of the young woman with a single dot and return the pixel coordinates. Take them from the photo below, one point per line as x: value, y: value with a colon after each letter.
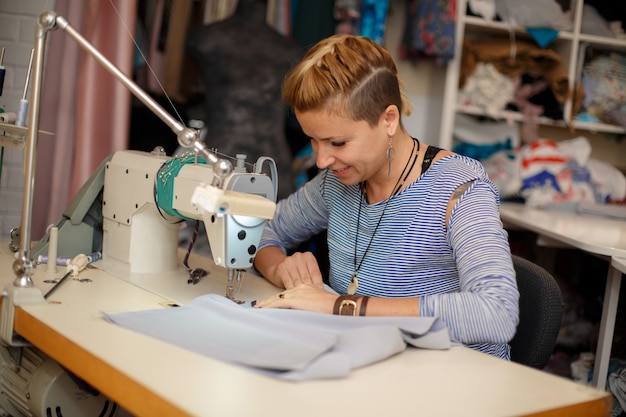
x: 412, y: 230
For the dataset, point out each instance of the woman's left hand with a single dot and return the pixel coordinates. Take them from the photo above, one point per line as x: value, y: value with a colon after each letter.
x: 301, y: 297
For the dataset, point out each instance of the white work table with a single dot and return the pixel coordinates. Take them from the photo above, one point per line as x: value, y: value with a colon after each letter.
x: 151, y: 378
x: 597, y: 235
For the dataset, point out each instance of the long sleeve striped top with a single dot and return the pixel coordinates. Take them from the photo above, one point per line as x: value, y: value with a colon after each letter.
x: 462, y: 272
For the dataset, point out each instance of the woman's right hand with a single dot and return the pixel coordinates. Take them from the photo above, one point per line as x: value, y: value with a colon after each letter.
x: 299, y: 268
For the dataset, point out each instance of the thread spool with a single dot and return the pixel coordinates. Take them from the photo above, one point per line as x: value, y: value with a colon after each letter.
x: 53, y: 243
x: 61, y: 261
x: 9, y: 117
x: 22, y: 113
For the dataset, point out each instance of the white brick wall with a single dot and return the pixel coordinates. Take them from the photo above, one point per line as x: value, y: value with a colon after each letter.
x: 17, y: 29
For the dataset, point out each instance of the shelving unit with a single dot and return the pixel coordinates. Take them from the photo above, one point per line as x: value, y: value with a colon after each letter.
x: 567, y: 45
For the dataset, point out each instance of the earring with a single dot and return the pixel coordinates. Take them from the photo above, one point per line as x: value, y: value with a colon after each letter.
x: 391, y: 152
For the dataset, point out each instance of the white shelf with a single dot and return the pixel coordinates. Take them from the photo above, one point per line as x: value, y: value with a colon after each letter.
x: 598, y: 127
x: 567, y: 45
x: 514, y: 116
x: 480, y: 24
x: 613, y: 43
x: 509, y: 115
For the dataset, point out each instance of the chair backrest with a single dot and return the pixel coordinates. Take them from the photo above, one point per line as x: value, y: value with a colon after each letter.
x: 540, y: 314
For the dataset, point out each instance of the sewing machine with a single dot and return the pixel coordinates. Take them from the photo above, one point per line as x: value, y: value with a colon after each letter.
x: 146, y: 194
x: 139, y: 199
x: 144, y: 197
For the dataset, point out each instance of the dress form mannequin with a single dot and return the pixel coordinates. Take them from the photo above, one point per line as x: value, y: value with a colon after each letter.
x: 243, y: 61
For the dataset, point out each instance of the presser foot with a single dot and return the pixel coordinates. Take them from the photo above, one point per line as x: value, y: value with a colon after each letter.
x: 230, y: 290
x: 234, y: 276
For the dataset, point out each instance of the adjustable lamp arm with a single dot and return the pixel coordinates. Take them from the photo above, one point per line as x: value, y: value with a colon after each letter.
x: 187, y: 137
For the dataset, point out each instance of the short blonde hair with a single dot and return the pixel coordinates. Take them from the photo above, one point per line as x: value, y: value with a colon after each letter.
x: 349, y: 75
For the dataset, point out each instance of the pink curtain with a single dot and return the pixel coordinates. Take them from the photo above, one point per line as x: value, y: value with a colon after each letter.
x: 86, y: 108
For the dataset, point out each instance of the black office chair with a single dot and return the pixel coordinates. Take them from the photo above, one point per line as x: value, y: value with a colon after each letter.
x: 540, y: 314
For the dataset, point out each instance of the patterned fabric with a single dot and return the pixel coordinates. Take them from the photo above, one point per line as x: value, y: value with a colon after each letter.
x: 430, y: 30
x: 362, y: 17
x: 545, y: 173
x: 463, y: 273
x: 605, y: 79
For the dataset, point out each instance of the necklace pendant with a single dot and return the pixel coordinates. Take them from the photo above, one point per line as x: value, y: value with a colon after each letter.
x: 354, y: 284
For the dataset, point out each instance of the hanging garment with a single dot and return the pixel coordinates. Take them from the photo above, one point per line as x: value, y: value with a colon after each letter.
x: 430, y: 29
x: 362, y: 17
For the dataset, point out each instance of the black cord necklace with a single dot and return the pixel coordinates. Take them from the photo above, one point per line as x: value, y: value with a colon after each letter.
x: 404, y: 175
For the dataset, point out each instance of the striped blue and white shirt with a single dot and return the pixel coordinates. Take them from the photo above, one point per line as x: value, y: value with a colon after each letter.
x: 462, y: 273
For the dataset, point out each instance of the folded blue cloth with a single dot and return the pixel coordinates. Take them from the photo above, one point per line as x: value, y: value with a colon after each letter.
x: 543, y: 36
x: 287, y: 344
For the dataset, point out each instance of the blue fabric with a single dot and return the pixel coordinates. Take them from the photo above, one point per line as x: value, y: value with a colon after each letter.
x: 543, y: 36
x: 287, y: 344
x: 483, y: 151
x: 542, y: 179
x: 373, y: 19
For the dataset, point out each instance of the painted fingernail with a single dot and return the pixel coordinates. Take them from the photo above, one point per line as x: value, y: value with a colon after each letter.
x: 253, y: 303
